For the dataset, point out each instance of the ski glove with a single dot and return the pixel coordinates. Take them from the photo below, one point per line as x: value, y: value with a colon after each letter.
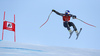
x: 74, y: 17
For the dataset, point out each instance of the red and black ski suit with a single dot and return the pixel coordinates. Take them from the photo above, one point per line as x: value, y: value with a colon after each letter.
x: 66, y: 20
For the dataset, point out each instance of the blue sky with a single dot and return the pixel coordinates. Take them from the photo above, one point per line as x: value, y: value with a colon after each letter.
x: 31, y: 14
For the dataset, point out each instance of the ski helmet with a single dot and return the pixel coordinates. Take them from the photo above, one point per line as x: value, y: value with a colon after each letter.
x: 67, y: 11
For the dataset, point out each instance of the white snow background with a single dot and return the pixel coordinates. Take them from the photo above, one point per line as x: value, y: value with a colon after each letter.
x: 8, y: 48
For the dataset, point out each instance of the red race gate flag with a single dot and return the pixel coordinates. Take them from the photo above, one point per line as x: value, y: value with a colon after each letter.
x: 9, y: 26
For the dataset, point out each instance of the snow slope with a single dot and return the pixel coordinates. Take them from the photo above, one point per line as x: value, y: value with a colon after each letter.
x: 18, y: 49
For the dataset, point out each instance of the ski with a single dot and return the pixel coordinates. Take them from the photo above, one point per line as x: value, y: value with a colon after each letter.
x: 78, y: 33
x: 71, y: 34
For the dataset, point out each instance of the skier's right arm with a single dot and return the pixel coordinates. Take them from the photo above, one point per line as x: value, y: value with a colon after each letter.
x: 57, y: 12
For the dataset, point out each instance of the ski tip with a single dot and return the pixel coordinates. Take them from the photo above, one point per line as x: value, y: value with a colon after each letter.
x: 76, y: 38
x: 80, y: 28
x: 69, y: 38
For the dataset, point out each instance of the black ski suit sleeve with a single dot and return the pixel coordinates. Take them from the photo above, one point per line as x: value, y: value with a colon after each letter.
x: 73, y: 16
x: 61, y: 14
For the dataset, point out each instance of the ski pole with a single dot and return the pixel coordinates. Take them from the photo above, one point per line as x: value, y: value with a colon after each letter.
x: 85, y: 22
x: 46, y: 20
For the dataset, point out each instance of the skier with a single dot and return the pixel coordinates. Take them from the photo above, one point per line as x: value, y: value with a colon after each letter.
x: 66, y: 21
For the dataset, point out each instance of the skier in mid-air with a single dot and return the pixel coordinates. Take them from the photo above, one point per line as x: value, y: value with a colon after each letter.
x: 66, y: 21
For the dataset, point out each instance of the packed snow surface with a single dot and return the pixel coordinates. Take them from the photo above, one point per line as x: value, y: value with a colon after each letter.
x: 8, y: 48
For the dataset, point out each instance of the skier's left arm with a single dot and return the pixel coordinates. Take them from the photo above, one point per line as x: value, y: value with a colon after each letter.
x: 73, y: 16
